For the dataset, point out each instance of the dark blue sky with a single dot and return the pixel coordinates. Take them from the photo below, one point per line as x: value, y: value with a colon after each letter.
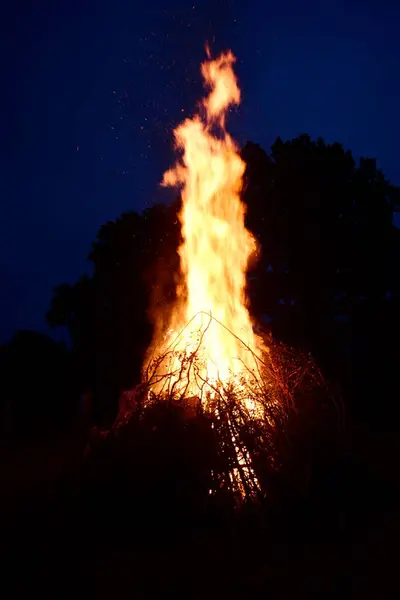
x: 92, y: 89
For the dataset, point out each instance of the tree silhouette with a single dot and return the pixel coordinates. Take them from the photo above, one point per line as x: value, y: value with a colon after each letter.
x: 109, y: 315
x: 326, y: 277
x: 37, y: 397
x: 329, y: 253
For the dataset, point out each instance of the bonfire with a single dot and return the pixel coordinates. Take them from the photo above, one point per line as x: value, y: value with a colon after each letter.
x: 206, y: 354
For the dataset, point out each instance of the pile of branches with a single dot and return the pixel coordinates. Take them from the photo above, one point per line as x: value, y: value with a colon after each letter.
x: 250, y: 432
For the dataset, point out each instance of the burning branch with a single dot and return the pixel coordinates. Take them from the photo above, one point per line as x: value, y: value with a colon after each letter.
x: 248, y: 413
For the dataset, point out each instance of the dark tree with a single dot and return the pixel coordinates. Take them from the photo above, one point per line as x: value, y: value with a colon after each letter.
x: 37, y: 397
x: 109, y: 315
x: 327, y: 274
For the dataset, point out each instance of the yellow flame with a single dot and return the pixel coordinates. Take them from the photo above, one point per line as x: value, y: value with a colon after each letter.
x: 216, y: 244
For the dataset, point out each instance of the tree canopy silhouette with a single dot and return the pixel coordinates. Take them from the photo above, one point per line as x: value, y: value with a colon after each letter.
x: 37, y: 396
x: 326, y: 278
x: 328, y: 273
x: 108, y: 315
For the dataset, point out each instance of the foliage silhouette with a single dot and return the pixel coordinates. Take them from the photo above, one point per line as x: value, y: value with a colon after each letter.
x: 329, y: 257
x: 37, y: 392
x: 108, y: 316
x: 326, y: 275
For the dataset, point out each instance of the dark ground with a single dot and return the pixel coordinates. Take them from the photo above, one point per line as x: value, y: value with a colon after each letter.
x: 67, y: 530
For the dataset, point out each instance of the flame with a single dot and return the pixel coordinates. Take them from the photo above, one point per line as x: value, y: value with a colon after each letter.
x: 216, y: 245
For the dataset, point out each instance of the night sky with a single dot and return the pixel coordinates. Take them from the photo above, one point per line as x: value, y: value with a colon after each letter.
x: 91, y: 91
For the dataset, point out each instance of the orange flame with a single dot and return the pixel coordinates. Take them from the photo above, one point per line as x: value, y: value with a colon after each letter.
x: 216, y: 245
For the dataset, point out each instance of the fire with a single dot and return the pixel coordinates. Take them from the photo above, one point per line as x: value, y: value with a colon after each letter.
x: 206, y: 349
x: 216, y: 244
x: 205, y: 353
